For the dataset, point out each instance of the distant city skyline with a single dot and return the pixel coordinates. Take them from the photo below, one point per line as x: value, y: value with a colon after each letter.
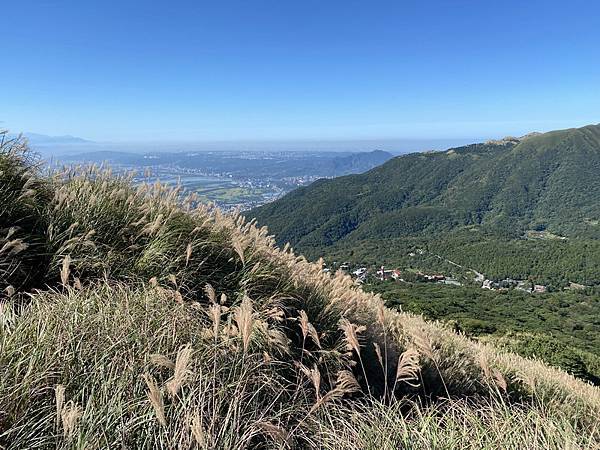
x: 271, y: 71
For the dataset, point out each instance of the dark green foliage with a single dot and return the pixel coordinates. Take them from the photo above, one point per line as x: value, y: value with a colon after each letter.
x: 549, y: 262
x: 468, y: 203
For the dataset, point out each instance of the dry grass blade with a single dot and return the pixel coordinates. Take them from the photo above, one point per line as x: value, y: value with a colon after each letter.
x: 408, y: 367
x: 65, y: 270
x: 181, y: 370
x: 312, y: 331
x: 156, y: 399
x: 153, y: 227
x: 10, y: 291
x: 381, y: 314
x: 210, y: 293
x: 277, y: 433
x: 214, y: 312
x: 162, y: 361
x: 14, y: 247
x: 197, y: 431
x: 345, y: 384
x: 239, y: 248
x: 244, y: 319
x: 351, y: 332
x: 59, y: 396
x: 304, y: 324
x: 70, y: 414
x: 314, y: 376
x: 11, y: 231
x: 188, y: 253
x: 378, y: 353
x: 485, y: 367
x: 423, y: 344
x: 500, y: 380
x: 178, y: 297
x: 491, y: 374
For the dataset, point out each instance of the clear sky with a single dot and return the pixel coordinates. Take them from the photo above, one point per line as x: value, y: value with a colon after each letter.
x: 219, y: 70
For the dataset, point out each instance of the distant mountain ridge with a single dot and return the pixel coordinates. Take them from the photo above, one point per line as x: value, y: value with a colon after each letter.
x: 42, y: 139
x: 542, y: 182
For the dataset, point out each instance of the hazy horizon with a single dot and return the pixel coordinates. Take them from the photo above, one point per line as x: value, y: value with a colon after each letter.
x: 54, y: 145
x: 57, y: 147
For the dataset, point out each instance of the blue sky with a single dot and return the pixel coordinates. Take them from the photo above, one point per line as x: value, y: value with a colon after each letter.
x: 298, y: 70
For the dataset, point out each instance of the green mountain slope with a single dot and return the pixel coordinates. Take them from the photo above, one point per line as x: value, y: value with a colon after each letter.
x: 498, y: 190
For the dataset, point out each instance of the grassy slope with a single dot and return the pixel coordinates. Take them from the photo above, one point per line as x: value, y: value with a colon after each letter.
x: 560, y: 328
x: 155, y: 326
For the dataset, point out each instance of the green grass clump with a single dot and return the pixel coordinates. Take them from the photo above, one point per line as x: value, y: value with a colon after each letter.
x: 22, y: 222
x: 453, y: 424
x: 140, y: 320
x: 104, y: 348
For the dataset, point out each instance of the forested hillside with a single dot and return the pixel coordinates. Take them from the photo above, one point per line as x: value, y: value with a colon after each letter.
x: 537, y: 194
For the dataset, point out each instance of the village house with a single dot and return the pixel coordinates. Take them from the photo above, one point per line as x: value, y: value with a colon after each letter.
x: 384, y: 274
x: 397, y: 275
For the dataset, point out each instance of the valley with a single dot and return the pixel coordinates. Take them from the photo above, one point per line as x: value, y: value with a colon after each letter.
x: 232, y: 180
